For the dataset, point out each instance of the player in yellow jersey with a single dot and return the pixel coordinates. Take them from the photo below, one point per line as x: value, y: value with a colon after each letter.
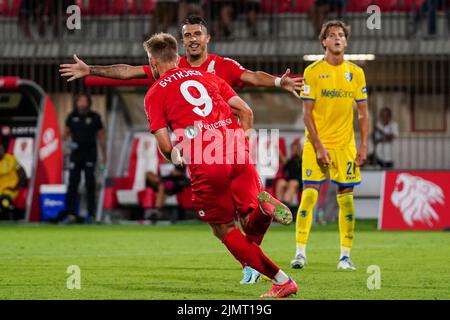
x: 12, y: 177
x: 332, y: 86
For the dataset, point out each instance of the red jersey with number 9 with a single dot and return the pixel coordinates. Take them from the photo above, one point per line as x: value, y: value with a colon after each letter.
x: 193, y: 104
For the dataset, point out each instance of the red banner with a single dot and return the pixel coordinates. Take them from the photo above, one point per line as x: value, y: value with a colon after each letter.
x: 50, y: 158
x: 415, y: 200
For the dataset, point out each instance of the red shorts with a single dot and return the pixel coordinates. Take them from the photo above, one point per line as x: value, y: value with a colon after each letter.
x: 222, y: 192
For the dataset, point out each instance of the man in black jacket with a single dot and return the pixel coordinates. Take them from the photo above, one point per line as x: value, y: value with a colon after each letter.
x: 84, y: 126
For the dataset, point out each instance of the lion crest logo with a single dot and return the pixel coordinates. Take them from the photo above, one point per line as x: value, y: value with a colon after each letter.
x: 414, y: 197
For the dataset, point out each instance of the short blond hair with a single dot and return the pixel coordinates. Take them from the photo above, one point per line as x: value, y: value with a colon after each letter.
x: 162, y: 46
x: 330, y: 24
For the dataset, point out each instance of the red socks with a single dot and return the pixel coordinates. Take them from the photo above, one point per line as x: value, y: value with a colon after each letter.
x: 248, y: 253
x: 257, y: 225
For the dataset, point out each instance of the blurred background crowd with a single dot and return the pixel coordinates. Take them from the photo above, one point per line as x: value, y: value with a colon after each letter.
x: 50, y: 14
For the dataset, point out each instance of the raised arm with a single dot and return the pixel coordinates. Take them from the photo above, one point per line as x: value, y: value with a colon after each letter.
x: 363, y: 121
x: 80, y: 69
x: 263, y: 79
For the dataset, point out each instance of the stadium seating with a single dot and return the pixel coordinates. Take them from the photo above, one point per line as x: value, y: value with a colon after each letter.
x: 82, y: 5
x: 9, y: 7
x: 409, y: 5
x: 358, y: 5
x: 4, y: 7
x: 130, y: 190
x: 270, y: 181
x: 116, y: 7
x: 303, y: 6
x: 147, y: 7
x: 268, y: 176
x: 387, y: 5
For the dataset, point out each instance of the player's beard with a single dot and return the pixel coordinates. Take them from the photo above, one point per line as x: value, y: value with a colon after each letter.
x: 198, y: 54
x: 195, y: 57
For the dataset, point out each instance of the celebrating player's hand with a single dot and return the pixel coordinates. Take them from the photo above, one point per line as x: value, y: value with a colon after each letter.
x: 76, y: 70
x: 293, y: 85
x: 323, y: 157
x: 176, y: 158
x: 361, y: 156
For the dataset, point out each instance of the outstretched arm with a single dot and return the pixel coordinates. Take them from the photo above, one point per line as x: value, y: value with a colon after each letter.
x: 263, y: 79
x: 80, y: 69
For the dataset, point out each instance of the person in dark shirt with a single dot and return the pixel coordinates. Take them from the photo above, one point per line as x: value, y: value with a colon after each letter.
x: 84, y: 127
x: 169, y: 185
x: 291, y: 183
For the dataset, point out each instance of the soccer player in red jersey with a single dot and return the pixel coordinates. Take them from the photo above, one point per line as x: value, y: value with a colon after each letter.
x: 195, y: 40
x: 193, y: 105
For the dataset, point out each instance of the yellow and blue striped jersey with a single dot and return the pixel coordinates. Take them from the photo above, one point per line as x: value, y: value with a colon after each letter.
x: 334, y: 90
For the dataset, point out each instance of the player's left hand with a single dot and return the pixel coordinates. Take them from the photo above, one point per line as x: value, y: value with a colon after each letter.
x: 361, y: 156
x: 293, y: 85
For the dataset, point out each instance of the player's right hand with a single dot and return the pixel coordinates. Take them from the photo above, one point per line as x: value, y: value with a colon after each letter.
x: 76, y: 70
x: 323, y: 157
x: 176, y: 158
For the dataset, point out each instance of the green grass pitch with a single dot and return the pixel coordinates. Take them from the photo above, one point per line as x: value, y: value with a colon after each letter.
x: 187, y: 262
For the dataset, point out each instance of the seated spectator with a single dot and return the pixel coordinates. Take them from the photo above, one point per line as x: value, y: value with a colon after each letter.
x: 165, y: 186
x: 12, y: 178
x: 385, y: 132
x: 291, y: 183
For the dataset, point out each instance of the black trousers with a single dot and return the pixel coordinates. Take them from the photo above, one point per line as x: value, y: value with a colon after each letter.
x: 76, y: 166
